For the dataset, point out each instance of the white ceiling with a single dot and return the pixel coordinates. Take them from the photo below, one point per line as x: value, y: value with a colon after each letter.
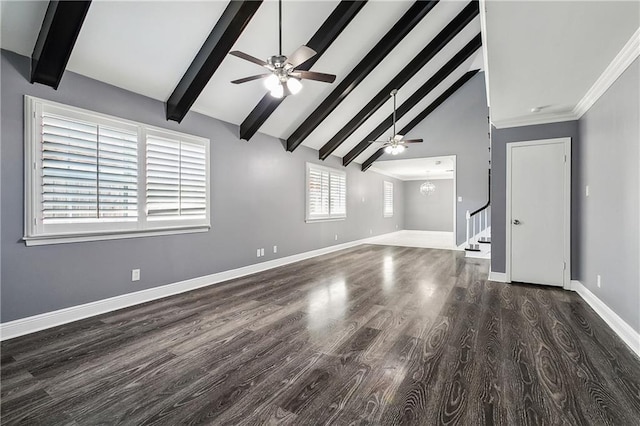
x: 539, y: 53
x: 417, y: 168
x: 549, y: 53
x: 133, y: 45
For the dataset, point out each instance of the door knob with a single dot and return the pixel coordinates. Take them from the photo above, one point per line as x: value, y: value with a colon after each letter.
x: 516, y: 222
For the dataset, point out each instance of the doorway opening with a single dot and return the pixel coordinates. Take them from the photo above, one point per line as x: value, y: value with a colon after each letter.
x: 429, y: 201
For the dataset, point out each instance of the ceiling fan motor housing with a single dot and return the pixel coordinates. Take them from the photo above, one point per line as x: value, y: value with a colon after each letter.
x: 277, y: 61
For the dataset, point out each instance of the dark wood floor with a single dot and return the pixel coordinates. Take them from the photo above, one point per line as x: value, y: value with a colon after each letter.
x: 372, y: 335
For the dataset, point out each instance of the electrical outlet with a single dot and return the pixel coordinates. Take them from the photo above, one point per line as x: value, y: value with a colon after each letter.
x: 363, y: 199
x: 586, y: 191
x: 370, y: 231
x: 135, y: 275
x: 275, y: 249
x: 262, y: 252
x: 598, y: 281
x: 336, y: 237
x: 396, y: 226
x: 459, y: 199
x: 258, y: 253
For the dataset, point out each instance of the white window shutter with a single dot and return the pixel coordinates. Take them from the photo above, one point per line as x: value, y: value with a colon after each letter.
x: 318, y: 193
x: 326, y: 193
x: 117, y: 174
x: 163, y: 177
x: 85, y: 171
x: 176, y: 179
x: 338, y: 194
x: 193, y: 180
x: 69, y: 170
x: 89, y: 172
x: 388, y: 199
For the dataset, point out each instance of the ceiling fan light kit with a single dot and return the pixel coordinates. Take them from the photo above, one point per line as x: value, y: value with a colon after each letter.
x: 283, y: 79
x: 394, y: 150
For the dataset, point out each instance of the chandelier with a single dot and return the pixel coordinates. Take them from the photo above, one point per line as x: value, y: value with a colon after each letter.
x: 427, y: 188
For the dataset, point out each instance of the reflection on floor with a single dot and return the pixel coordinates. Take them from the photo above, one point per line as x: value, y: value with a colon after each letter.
x: 371, y: 335
x: 423, y: 239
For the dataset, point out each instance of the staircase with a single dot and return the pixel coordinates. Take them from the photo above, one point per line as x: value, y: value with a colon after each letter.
x: 478, y: 244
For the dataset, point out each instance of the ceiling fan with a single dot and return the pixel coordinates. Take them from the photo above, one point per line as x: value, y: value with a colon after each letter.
x: 395, y: 144
x: 283, y: 79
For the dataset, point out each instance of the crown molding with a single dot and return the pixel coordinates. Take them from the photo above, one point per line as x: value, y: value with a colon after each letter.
x: 618, y: 65
x: 530, y: 120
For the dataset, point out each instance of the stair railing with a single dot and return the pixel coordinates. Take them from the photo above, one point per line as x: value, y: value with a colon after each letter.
x: 478, y: 220
x: 473, y: 239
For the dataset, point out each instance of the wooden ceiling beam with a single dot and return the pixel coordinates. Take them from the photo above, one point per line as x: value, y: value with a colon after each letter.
x: 320, y: 42
x: 437, y: 78
x: 226, y: 31
x: 58, y: 34
x: 387, y: 43
x: 447, y: 34
x: 428, y: 110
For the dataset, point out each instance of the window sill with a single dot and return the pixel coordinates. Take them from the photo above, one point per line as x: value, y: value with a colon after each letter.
x: 387, y: 216
x: 63, y: 239
x: 328, y: 219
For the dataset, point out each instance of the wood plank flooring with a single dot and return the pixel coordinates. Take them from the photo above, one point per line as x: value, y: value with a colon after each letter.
x: 375, y: 335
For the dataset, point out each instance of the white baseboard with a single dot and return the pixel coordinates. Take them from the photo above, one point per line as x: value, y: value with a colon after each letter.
x: 617, y: 324
x: 500, y: 277
x: 22, y: 326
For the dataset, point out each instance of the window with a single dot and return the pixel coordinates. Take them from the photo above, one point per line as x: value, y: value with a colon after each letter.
x: 91, y: 176
x: 326, y: 193
x: 388, y: 199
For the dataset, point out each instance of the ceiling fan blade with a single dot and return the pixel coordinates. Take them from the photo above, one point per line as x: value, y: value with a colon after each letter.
x: 318, y: 76
x: 412, y: 141
x: 398, y: 137
x: 251, y: 78
x: 248, y: 57
x: 301, y: 55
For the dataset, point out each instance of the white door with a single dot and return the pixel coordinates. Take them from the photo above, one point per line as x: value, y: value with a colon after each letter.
x: 538, y: 211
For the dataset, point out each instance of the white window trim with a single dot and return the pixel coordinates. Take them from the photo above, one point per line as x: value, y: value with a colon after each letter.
x: 384, y: 201
x: 328, y: 218
x: 32, y: 237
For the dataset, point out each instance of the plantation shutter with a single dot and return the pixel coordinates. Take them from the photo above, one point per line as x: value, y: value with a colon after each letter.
x: 338, y: 194
x: 86, y: 177
x: 388, y: 199
x: 318, y: 192
x: 89, y: 172
x: 176, y: 179
x: 117, y: 174
x: 326, y: 193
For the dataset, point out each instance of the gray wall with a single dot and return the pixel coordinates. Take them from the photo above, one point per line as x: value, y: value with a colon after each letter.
x: 257, y: 198
x: 499, y: 140
x: 428, y: 213
x: 459, y: 127
x: 608, y: 223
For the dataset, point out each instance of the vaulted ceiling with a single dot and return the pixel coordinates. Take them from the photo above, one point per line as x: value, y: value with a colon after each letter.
x: 537, y: 54
x: 146, y: 47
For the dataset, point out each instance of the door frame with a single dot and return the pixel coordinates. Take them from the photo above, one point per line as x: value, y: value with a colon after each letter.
x: 455, y: 199
x: 567, y: 204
